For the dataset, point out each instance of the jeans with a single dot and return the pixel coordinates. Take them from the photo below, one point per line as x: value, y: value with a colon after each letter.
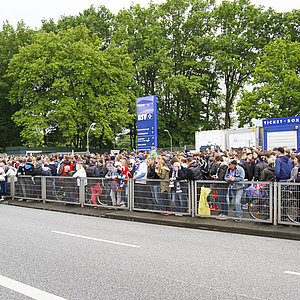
x: 222, y: 198
x: 155, y: 192
x: 177, y: 198
x: 113, y: 194
x: 237, y: 196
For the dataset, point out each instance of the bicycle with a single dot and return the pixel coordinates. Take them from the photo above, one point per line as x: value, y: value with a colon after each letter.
x: 258, y: 204
x: 290, y: 203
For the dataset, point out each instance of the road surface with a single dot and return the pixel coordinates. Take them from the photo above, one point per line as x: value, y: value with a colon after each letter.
x: 51, y: 255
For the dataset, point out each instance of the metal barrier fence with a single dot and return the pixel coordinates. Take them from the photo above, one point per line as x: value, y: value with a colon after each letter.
x: 106, y: 192
x: 28, y: 187
x: 241, y: 200
x: 288, y: 197
x: 62, y: 189
x: 254, y: 201
x: 162, y: 196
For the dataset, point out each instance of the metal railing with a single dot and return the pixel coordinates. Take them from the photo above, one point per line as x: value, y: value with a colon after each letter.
x: 288, y: 203
x: 161, y: 196
x: 276, y: 203
x: 246, y: 200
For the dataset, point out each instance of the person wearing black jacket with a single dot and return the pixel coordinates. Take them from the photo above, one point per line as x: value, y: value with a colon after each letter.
x: 101, y: 168
x: 193, y: 171
x: 268, y: 174
x: 221, y: 188
x: 52, y: 167
x: 259, y: 167
x: 154, y: 185
x: 37, y: 173
x: 245, y: 165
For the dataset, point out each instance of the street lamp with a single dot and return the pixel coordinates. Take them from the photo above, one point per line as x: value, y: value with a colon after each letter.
x: 92, y: 127
x: 166, y: 130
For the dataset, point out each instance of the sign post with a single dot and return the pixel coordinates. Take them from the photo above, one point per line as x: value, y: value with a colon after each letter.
x: 146, y: 110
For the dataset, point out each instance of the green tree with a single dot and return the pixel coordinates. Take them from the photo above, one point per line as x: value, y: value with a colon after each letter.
x: 189, y: 84
x: 98, y: 20
x: 276, y: 91
x: 238, y: 28
x: 139, y: 30
x: 10, y: 41
x: 63, y: 82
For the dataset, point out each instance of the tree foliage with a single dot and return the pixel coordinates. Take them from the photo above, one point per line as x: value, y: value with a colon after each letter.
x: 63, y: 82
x: 197, y: 56
x: 10, y: 41
x: 276, y: 91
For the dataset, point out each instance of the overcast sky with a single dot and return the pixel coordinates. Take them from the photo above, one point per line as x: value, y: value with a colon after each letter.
x: 33, y: 11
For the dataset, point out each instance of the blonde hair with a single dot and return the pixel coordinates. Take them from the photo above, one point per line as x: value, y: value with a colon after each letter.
x: 78, y: 167
x: 177, y: 164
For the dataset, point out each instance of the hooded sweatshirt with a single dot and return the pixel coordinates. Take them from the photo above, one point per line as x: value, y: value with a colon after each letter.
x: 283, y: 168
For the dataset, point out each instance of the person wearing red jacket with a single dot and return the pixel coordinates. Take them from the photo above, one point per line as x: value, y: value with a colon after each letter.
x: 126, y: 174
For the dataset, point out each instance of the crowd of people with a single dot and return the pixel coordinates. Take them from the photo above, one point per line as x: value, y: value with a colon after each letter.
x: 160, y: 177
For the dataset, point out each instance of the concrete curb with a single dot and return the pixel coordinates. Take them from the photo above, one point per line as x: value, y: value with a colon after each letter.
x: 245, y: 227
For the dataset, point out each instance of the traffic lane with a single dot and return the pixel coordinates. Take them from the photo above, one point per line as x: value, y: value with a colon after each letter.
x: 172, y: 262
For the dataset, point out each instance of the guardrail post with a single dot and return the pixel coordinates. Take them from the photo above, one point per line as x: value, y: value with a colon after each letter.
x: 278, y: 203
x: 12, y: 187
x: 192, y: 197
x: 43, y: 187
x: 275, y: 203
x: 82, y: 191
x: 130, y: 194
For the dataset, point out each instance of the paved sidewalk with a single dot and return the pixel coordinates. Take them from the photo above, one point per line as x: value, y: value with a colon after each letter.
x: 245, y: 227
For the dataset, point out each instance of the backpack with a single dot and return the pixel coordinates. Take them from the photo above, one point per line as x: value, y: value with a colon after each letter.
x: 205, y: 170
x: 90, y: 171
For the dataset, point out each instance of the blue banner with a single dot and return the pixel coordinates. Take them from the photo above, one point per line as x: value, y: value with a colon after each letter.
x: 281, y: 121
x: 146, y: 111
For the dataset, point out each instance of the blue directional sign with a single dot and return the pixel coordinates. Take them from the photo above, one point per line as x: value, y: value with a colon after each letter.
x: 146, y: 123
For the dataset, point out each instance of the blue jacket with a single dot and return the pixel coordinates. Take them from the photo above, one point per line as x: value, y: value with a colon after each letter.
x: 283, y: 168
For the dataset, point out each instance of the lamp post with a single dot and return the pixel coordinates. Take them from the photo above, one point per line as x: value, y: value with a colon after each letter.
x: 166, y: 130
x: 92, y: 127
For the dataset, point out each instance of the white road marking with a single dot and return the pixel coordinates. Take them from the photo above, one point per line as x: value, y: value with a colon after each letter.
x: 27, y: 290
x: 95, y: 239
x: 292, y: 273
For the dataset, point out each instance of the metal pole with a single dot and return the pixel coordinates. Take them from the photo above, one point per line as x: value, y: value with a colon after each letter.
x: 44, y: 188
x: 166, y: 130
x: 82, y: 192
x: 275, y: 202
x: 87, y: 137
x: 87, y: 142
x: 12, y: 187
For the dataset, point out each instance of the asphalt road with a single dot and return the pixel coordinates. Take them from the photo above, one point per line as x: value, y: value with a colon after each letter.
x: 80, y: 257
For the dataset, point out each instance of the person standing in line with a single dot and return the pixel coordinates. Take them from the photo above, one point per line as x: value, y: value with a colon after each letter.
x: 283, y: 166
x: 94, y: 184
x: 153, y: 183
x: 235, y: 176
x: 163, y: 172
x: 221, y: 188
x: 2, y: 180
x: 176, y: 190
x: 140, y: 188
